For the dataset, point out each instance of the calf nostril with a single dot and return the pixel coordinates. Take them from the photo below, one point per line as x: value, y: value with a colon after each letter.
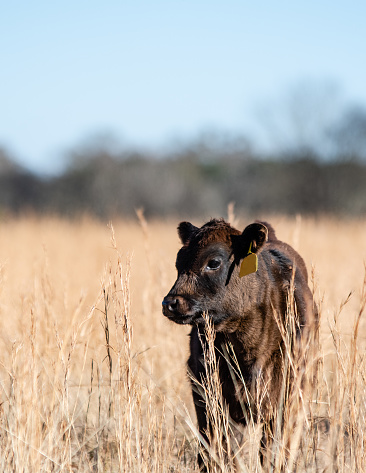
x: 171, y: 303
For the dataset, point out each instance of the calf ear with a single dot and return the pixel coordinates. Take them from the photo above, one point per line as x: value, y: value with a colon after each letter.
x: 256, y: 234
x: 185, y: 231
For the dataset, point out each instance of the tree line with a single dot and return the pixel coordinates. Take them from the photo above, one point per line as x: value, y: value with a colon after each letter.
x: 315, y: 164
x: 193, y: 181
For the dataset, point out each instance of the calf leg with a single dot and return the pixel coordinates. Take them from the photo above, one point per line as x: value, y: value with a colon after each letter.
x: 266, y: 442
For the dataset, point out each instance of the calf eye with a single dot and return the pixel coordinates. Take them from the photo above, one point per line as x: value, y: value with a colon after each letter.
x: 213, y: 264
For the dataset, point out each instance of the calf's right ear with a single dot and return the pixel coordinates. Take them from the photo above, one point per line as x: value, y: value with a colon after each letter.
x: 186, y: 231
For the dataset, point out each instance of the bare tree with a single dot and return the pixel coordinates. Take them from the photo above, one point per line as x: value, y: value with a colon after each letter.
x: 349, y: 135
x: 297, y: 123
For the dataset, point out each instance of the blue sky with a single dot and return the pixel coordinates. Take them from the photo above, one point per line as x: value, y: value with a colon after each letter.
x: 150, y: 71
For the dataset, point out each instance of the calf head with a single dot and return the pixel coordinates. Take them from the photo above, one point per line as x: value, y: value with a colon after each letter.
x: 208, y: 271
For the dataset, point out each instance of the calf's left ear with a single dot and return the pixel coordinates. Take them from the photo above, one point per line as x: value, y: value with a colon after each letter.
x: 255, y: 234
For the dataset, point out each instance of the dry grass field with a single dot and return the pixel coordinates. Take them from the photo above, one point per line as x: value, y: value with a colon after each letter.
x: 93, y: 378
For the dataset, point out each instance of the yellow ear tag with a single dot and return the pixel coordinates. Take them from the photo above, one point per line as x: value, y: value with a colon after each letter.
x: 249, y: 264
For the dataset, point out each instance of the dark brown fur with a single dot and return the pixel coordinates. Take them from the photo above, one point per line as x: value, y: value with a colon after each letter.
x: 242, y: 311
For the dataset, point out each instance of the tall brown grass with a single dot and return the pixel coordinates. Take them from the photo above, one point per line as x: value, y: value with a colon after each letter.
x: 93, y: 378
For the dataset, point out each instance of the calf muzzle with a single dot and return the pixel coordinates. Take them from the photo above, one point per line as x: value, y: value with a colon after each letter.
x: 177, y: 308
x: 170, y: 304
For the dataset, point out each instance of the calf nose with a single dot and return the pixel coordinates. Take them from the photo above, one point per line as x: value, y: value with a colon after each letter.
x: 171, y: 303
